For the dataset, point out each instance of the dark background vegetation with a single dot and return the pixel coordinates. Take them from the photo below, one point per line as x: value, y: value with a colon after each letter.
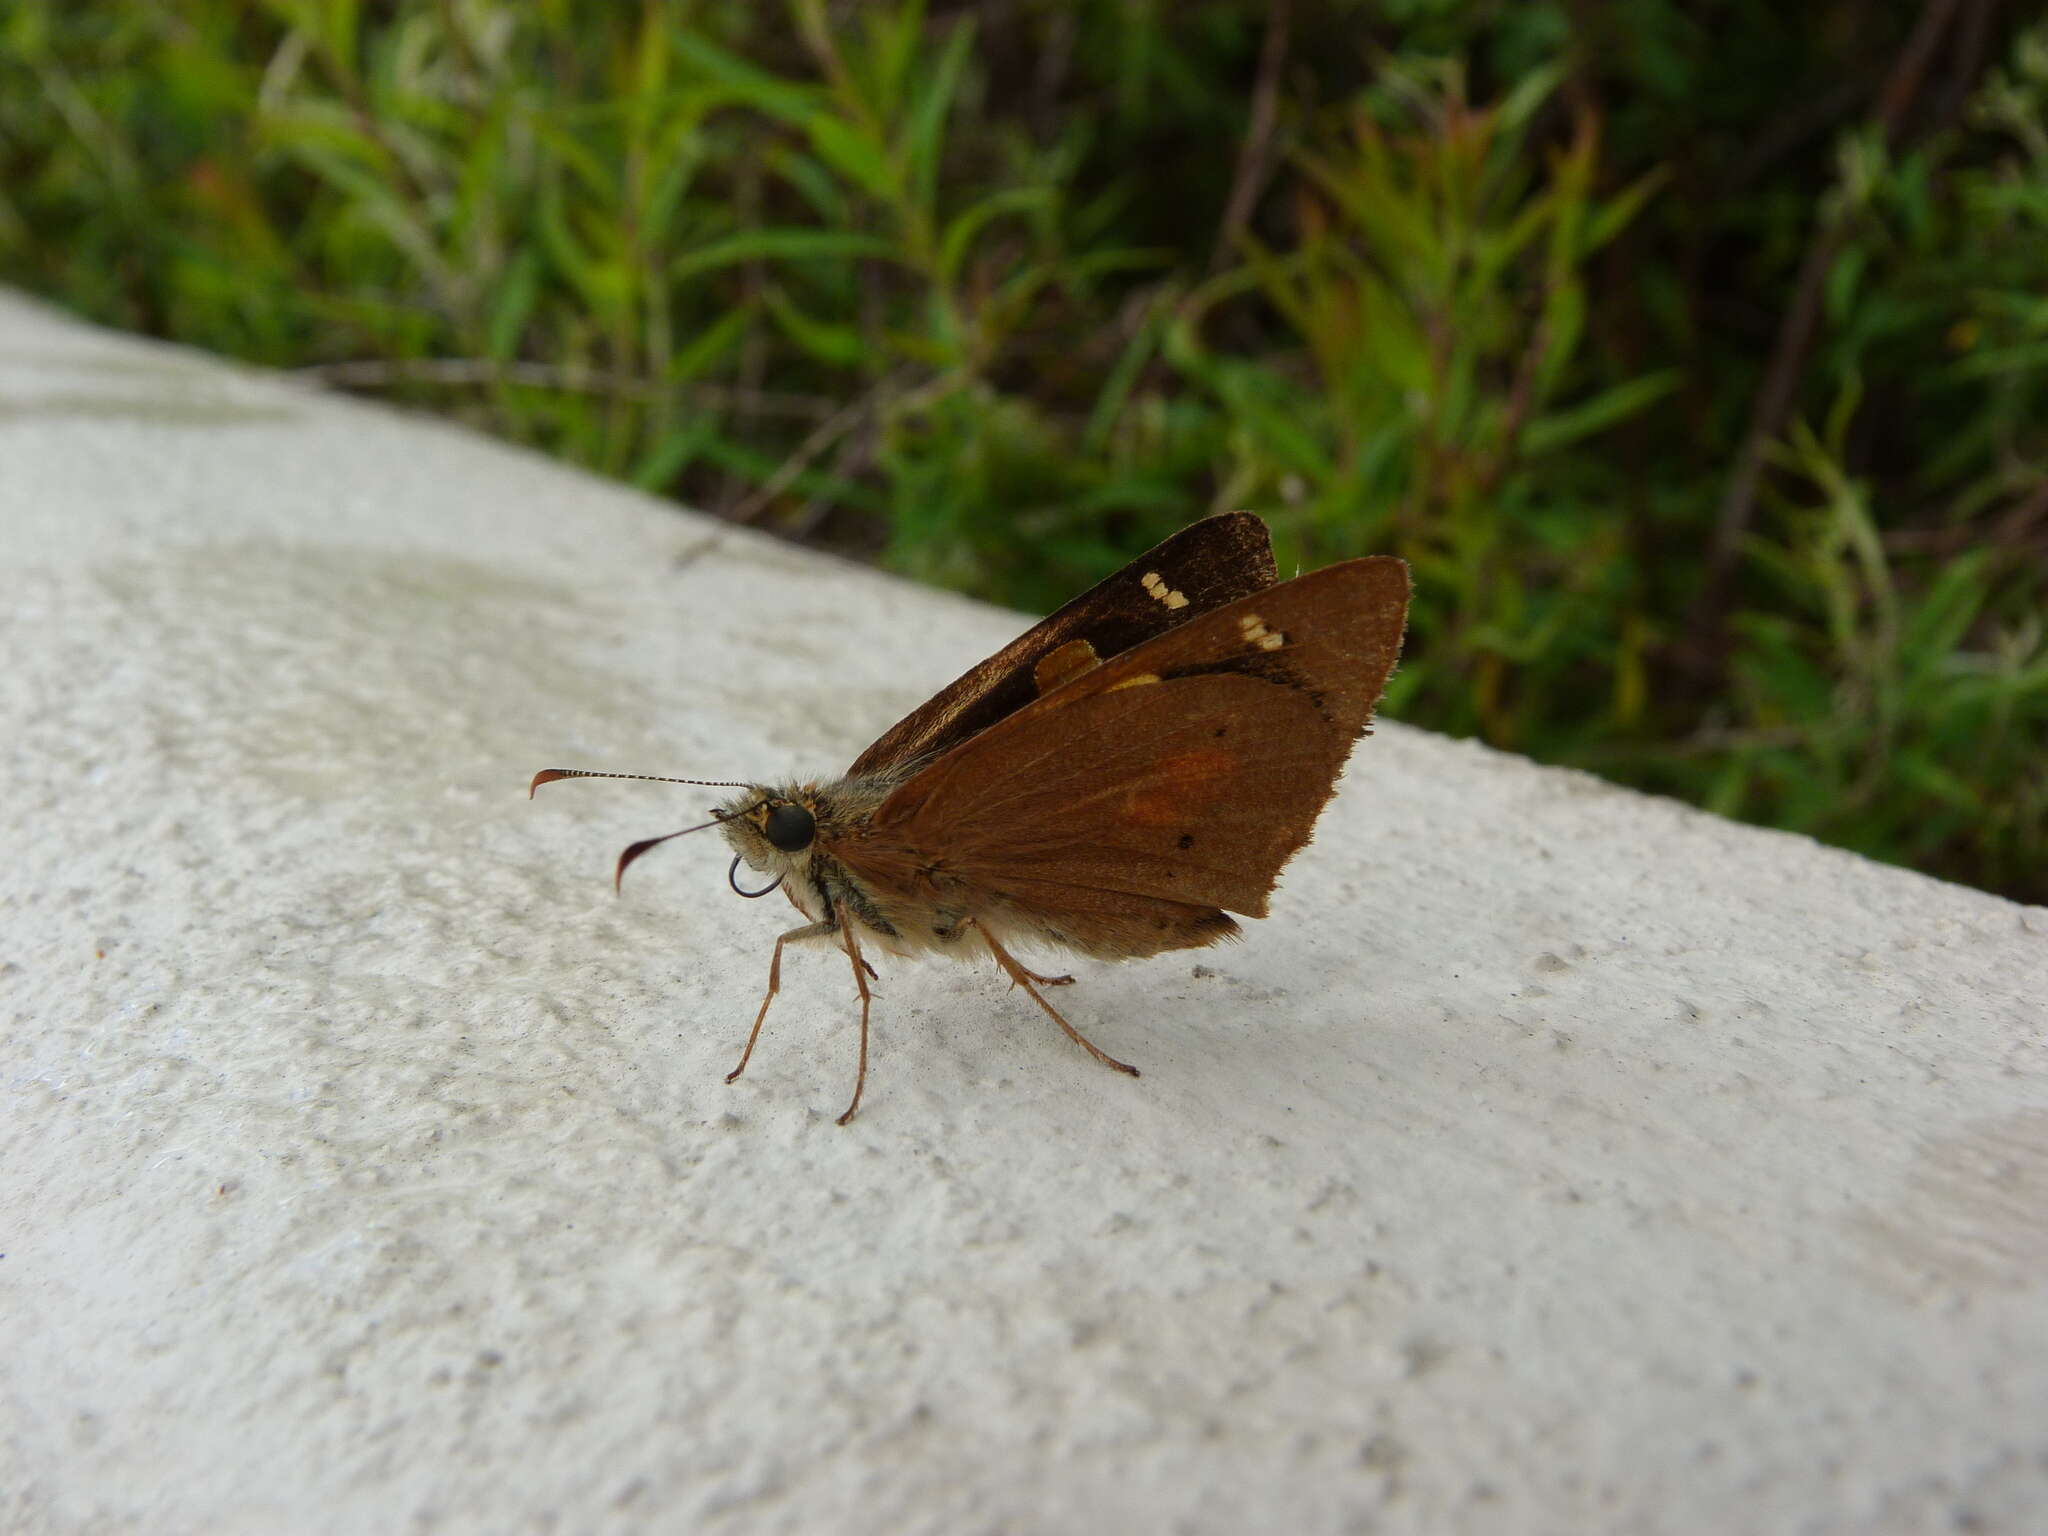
x: 1695, y: 354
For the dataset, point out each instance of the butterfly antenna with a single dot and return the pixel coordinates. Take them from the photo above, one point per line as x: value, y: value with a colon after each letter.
x: 635, y: 850
x: 639, y: 848
x: 549, y: 775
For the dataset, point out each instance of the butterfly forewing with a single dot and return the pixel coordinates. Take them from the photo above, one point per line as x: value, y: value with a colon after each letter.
x: 1185, y: 771
x: 1198, y: 570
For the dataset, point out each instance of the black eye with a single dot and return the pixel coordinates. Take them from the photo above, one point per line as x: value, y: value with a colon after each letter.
x: 790, y: 828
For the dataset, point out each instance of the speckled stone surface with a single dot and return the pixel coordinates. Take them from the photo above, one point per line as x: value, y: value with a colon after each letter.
x: 1553, y: 1159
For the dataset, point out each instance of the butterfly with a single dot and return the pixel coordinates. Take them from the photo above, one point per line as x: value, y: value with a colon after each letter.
x: 1116, y: 782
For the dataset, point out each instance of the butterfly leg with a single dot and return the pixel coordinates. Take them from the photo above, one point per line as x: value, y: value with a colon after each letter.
x: 1047, y: 981
x: 860, y: 1080
x: 794, y: 936
x: 1023, y: 978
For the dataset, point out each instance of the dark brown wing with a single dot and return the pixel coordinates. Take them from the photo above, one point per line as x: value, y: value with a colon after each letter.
x: 1187, y: 771
x: 1213, y: 562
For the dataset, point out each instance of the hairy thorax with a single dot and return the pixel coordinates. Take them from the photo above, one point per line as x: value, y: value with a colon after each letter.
x: 912, y: 921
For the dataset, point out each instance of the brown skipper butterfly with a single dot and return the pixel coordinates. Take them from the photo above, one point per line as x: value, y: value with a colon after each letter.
x: 1115, y: 782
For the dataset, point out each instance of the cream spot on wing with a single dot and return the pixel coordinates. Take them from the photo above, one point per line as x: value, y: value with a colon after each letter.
x: 1159, y: 590
x: 1064, y: 665
x: 1138, y: 681
x: 1255, y: 632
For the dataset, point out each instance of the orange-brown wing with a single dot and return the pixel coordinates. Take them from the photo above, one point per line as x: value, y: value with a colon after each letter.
x: 1187, y: 771
x: 1204, y: 566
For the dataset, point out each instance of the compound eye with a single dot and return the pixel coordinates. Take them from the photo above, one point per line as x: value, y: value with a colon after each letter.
x: 790, y: 828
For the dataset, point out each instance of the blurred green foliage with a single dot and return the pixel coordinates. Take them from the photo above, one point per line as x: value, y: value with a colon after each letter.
x: 1002, y: 292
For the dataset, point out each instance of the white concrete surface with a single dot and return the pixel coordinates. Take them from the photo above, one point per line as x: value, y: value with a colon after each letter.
x: 1554, y: 1159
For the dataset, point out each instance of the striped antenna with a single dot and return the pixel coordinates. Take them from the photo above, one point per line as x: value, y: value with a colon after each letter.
x: 549, y: 775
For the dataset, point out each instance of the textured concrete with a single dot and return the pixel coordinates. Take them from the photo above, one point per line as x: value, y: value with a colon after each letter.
x: 1554, y: 1159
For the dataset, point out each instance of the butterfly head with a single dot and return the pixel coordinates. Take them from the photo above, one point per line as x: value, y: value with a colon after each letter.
x: 771, y: 828
x: 768, y: 823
